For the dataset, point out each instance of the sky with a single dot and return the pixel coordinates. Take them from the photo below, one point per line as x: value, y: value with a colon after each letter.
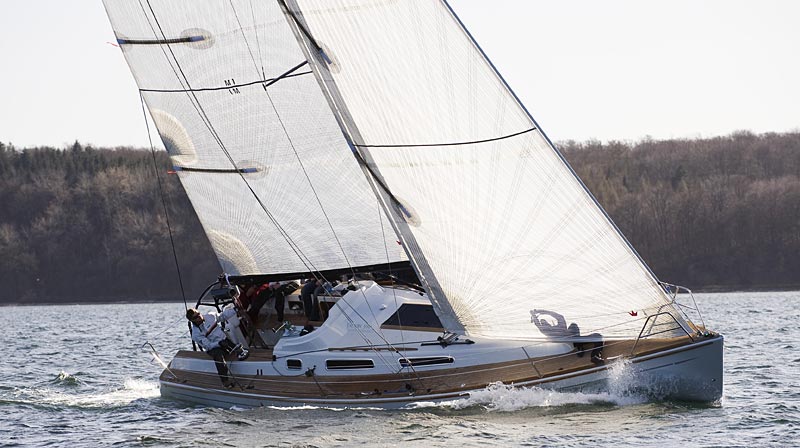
x: 585, y: 69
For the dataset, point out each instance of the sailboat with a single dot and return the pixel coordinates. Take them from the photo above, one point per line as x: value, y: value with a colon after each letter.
x: 363, y: 139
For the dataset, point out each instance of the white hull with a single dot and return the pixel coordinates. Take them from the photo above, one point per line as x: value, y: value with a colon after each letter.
x: 692, y: 373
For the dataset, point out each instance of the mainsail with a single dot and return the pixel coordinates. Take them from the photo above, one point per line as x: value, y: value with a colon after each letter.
x: 493, y: 218
x: 252, y: 137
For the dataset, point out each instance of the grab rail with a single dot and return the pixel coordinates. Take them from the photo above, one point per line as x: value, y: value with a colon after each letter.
x: 672, y: 291
x: 646, y: 321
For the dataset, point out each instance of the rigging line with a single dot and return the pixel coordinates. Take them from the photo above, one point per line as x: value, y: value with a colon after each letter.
x: 244, y: 36
x: 369, y: 172
x: 342, y: 125
x: 258, y: 41
x: 311, y: 184
x: 164, y: 204
x: 503, y: 137
x: 330, y: 225
x: 181, y: 78
x: 324, y: 213
x: 366, y: 339
x: 265, y: 82
x: 322, y: 208
x: 364, y: 336
x: 386, y: 250
x: 155, y: 33
x: 287, y: 74
x: 372, y: 346
x: 394, y: 296
x: 206, y: 120
x: 167, y: 328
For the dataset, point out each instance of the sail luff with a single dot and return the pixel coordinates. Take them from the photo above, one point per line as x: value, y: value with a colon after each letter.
x: 388, y: 202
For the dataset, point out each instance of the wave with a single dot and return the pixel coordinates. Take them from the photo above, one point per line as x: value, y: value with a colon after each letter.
x: 623, y: 387
x: 69, y: 380
x: 132, y: 389
x: 507, y: 398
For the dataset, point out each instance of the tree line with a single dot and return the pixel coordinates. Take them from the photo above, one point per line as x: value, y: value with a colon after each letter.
x: 714, y: 213
x: 83, y: 223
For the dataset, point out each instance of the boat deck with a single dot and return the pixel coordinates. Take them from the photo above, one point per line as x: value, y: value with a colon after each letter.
x: 442, y: 381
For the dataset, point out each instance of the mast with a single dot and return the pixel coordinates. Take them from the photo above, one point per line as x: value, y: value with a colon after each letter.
x: 400, y: 214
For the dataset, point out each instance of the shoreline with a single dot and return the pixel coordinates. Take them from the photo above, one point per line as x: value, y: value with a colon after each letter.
x: 132, y: 301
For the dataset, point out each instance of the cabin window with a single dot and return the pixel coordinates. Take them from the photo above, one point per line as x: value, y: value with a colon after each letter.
x: 419, y: 362
x: 414, y: 317
x: 343, y: 364
x: 294, y: 364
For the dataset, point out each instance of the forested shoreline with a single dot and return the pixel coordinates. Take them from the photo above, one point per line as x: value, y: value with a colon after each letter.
x: 88, y: 224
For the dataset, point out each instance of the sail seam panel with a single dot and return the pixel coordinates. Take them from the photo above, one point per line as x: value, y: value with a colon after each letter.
x: 266, y: 82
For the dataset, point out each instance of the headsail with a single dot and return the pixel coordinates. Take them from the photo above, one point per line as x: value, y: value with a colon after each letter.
x: 254, y: 142
x: 494, y: 219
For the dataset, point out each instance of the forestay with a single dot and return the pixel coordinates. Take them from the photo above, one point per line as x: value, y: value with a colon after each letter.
x: 495, y: 221
x: 260, y: 159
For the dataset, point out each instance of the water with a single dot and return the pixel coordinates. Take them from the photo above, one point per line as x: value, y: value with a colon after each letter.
x: 75, y: 376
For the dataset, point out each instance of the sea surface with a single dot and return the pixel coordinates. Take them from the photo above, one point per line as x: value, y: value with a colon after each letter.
x: 76, y: 375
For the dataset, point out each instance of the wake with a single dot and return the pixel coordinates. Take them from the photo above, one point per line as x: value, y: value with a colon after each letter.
x: 622, y: 388
x: 130, y: 391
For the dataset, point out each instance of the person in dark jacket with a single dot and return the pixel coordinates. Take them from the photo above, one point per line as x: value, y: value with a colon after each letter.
x: 310, y: 304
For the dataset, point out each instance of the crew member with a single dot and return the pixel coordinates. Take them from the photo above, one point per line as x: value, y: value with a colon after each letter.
x: 207, y: 333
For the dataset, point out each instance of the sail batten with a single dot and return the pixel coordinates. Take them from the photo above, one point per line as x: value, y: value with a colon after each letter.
x: 500, y: 230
